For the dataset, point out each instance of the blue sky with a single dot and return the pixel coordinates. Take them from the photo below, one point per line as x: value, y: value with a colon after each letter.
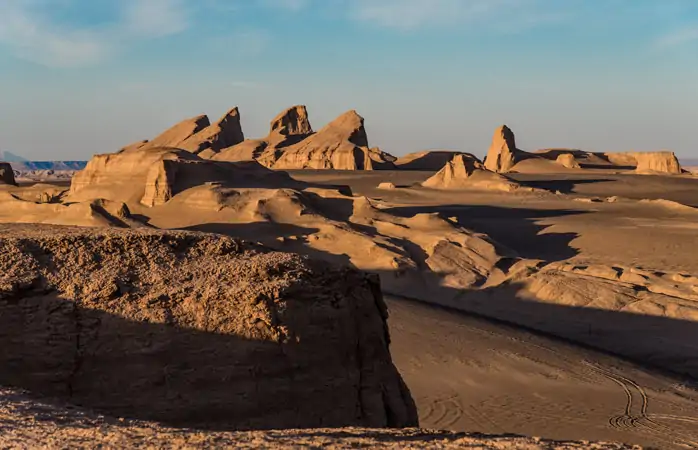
x: 79, y: 77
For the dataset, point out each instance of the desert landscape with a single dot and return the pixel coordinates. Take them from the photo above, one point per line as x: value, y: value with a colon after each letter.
x: 198, y: 288
x: 313, y: 224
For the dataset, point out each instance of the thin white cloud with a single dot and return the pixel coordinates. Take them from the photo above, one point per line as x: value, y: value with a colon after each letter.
x: 32, y: 34
x: 411, y: 14
x: 155, y: 18
x: 677, y: 38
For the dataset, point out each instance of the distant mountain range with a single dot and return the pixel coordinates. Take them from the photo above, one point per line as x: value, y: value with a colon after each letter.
x: 10, y: 157
x: 47, y: 165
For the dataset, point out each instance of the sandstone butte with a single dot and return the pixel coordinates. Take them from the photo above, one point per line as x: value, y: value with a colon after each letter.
x: 198, y: 134
x: 250, y: 338
x: 291, y: 144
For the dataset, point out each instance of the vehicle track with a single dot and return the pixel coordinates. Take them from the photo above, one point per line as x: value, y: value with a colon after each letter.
x: 636, y: 414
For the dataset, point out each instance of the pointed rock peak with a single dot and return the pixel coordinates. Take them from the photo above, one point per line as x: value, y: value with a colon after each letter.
x: 350, y: 125
x: 504, y: 135
x: 292, y: 121
x: 232, y: 115
x: 502, y: 155
x: 349, y: 119
x: 177, y: 134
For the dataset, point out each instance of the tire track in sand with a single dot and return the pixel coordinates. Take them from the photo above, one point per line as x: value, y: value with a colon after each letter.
x: 636, y: 414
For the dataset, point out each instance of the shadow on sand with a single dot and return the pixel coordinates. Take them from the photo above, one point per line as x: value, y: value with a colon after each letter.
x: 516, y: 228
x: 663, y: 343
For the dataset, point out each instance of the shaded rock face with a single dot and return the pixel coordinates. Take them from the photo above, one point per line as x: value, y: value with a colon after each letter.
x: 291, y: 144
x: 467, y: 172
x: 169, y: 177
x: 119, y: 176
x: 567, y: 160
x: 341, y: 144
x: 503, y: 154
x: 195, y: 330
x: 292, y: 121
x: 224, y: 133
x: 197, y: 135
x: 153, y: 176
x: 7, y: 174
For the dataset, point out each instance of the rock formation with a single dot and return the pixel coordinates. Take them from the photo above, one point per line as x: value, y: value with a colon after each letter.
x: 503, y: 154
x: 195, y: 330
x: 152, y: 176
x: 289, y: 127
x: 291, y: 144
x: 293, y: 121
x: 342, y: 144
x: 224, y: 133
x: 464, y: 171
x: 657, y: 162
x: 427, y: 160
x: 7, y: 174
x: 174, y: 136
x: 197, y: 134
x: 567, y: 160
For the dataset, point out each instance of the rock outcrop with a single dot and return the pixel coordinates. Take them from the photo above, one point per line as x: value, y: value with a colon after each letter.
x: 503, y: 154
x: 152, y: 176
x: 226, y: 132
x: 465, y: 171
x: 342, y: 144
x: 289, y: 127
x: 194, y: 329
x: 426, y: 160
x: 567, y: 160
x: 657, y: 162
x: 7, y: 174
x: 292, y: 144
x: 293, y: 121
x: 179, y: 133
x: 196, y: 135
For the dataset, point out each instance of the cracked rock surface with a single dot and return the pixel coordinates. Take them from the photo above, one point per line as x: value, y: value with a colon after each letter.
x: 194, y: 329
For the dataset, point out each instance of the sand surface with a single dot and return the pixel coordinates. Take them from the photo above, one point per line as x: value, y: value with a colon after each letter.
x: 468, y: 374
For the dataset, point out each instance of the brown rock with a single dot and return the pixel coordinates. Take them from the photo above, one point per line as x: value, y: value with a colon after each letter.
x: 176, y: 135
x: 135, y: 146
x: 247, y: 150
x: 426, y: 160
x: 152, y: 176
x: 342, y: 145
x: 567, y: 160
x: 224, y: 133
x: 657, y: 162
x: 467, y: 172
x: 503, y: 154
x: 195, y: 330
x: 292, y: 121
x: 7, y: 174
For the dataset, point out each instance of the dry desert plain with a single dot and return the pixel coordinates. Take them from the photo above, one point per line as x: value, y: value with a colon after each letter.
x: 550, y: 293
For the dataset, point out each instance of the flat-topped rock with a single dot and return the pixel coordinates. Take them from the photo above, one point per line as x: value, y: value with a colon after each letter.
x: 194, y: 329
